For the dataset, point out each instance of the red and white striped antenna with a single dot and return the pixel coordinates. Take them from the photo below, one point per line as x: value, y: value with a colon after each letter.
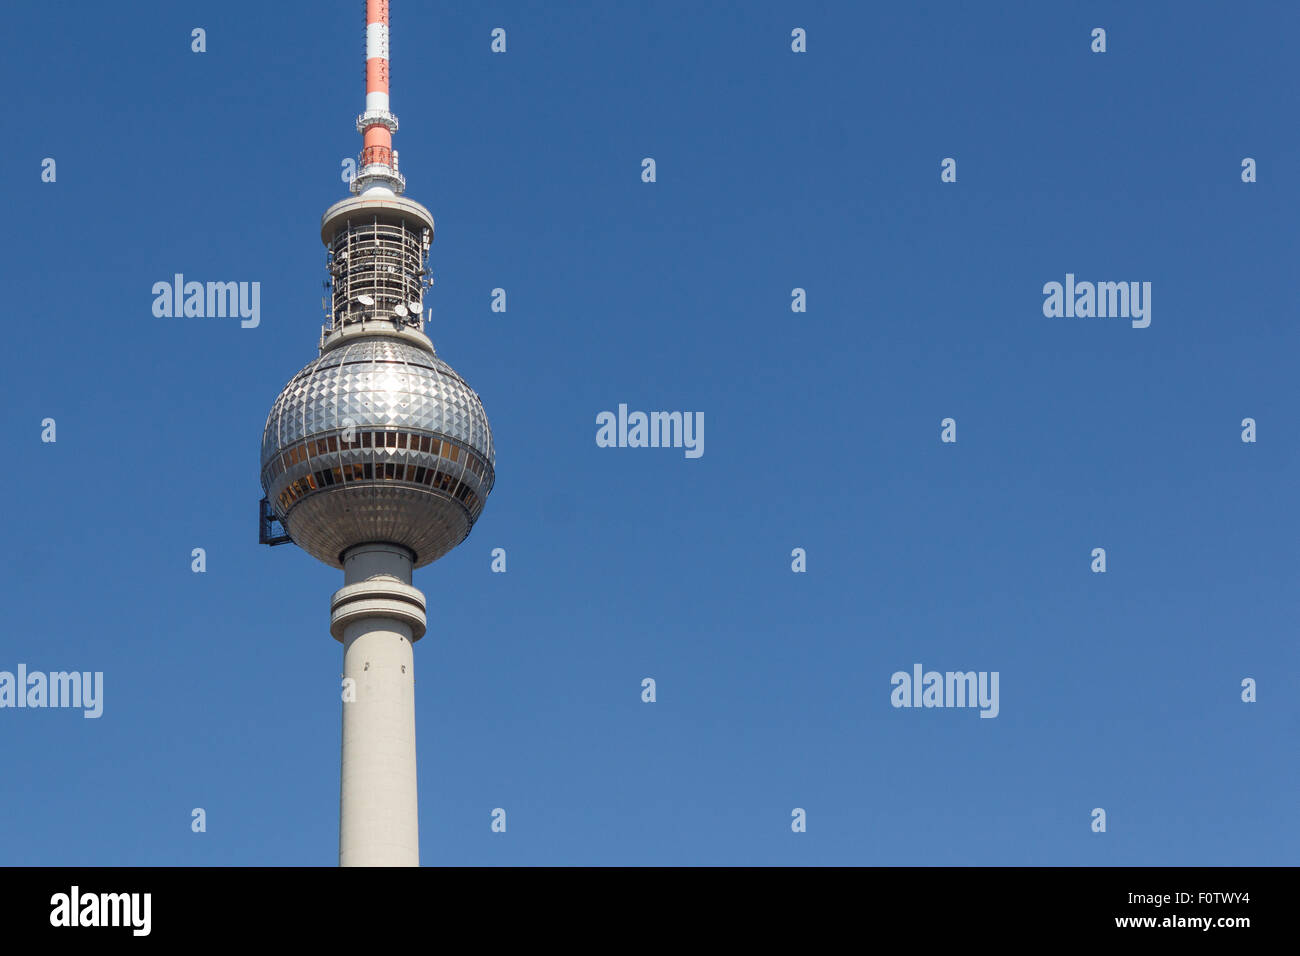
x: 377, y: 173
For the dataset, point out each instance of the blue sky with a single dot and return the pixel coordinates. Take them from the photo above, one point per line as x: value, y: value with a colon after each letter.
x: 775, y: 170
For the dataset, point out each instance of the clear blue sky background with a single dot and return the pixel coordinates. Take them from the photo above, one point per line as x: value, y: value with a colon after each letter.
x: 775, y: 170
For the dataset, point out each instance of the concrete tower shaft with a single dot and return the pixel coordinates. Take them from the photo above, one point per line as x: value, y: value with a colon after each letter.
x: 377, y: 616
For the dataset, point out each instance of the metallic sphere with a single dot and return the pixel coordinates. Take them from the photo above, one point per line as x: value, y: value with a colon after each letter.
x: 378, y: 440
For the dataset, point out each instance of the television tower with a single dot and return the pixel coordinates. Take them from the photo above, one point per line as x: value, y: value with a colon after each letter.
x: 377, y: 459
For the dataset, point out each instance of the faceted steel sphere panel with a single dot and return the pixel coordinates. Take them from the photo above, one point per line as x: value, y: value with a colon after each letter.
x: 378, y: 440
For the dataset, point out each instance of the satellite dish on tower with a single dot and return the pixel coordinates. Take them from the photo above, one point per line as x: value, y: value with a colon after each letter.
x: 400, y: 310
x: 414, y: 307
x: 365, y: 300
